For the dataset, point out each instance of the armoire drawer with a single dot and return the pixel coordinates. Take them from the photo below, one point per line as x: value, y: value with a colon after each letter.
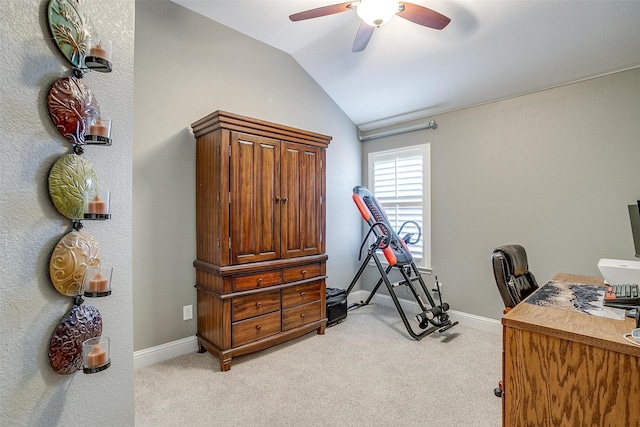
x: 255, y: 281
x: 301, y: 272
x: 248, y: 306
x: 255, y: 328
x: 300, y: 315
x: 300, y: 294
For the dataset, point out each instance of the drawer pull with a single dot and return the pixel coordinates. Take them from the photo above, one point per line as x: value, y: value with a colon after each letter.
x: 258, y: 327
x: 303, y: 293
x: 260, y: 281
x: 304, y: 273
x: 258, y: 304
x: 302, y: 315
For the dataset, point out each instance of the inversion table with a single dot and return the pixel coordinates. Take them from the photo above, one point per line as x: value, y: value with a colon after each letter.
x: 433, y: 317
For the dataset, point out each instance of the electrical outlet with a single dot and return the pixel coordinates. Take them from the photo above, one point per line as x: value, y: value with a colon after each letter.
x: 187, y: 312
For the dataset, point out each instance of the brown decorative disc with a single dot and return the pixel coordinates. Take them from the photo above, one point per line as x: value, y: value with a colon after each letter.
x: 75, y: 252
x: 78, y: 325
x: 71, y: 106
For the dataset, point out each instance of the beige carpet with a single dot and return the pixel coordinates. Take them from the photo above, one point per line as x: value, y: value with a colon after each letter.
x: 365, y: 371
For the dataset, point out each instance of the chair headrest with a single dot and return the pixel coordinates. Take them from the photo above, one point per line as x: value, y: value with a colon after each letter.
x: 516, y: 257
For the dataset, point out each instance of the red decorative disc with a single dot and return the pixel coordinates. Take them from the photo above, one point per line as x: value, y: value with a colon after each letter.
x: 71, y: 106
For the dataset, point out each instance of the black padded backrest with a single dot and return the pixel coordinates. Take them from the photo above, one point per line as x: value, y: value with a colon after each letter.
x: 511, y: 270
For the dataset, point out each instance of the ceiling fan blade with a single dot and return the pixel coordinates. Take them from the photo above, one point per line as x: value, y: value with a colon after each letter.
x: 422, y: 16
x: 362, y: 37
x: 320, y: 11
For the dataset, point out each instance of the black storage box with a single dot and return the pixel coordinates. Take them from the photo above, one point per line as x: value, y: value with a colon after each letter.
x: 336, y: 305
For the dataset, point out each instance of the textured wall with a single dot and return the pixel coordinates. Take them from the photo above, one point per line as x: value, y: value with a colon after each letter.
x: 188, y: 66
x: 553, y: 171
x: 32, y: 394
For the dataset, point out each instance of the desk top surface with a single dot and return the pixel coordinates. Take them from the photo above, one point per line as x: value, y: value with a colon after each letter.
x: 573, y: 326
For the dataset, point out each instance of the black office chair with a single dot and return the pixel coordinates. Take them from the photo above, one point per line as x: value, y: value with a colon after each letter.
x: 511, y: 270
x: 515, y: 281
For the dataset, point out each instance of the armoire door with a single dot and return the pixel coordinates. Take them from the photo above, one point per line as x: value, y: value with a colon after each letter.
x: 301, y: 200
x: 255, y: 198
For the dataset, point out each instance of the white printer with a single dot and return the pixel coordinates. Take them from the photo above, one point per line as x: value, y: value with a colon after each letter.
x: 619, y: 271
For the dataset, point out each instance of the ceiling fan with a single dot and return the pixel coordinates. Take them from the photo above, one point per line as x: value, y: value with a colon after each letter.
x: 375, y: 13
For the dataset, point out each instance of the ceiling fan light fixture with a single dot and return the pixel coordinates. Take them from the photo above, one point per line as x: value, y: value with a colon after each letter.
x: 377, y: 12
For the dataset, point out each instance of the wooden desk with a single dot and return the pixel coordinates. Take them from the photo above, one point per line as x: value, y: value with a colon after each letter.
x: 563, y: 368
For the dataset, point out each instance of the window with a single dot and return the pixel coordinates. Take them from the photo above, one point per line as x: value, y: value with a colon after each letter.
x: 400, y: 181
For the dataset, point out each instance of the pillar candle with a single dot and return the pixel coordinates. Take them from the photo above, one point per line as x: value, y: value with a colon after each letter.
x: 97, y: 206
x: 99, y: 283
x: 96, y: 357
x: 98, y: 52
x: 99, y: 129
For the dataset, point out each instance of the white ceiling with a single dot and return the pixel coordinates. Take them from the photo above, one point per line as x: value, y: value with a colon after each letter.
x: 492, y: 49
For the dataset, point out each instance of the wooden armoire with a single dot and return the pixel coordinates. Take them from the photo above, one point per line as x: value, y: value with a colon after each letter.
x: 260, y: 224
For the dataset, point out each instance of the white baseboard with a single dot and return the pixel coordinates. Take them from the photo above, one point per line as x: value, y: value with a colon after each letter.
x: 177, y: 348
x: 159, y: 353
x: 466, y: 319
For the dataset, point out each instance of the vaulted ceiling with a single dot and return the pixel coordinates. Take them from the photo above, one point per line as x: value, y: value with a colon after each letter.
x: 491, y: 50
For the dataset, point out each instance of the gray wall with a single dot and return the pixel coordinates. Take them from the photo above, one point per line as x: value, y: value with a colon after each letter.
x: 187, y: 67
x: 32, y: 394
x: 553, y: 171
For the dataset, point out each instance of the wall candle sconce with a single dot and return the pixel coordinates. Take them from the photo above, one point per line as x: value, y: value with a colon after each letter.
x: 75, y: 112
x: 82, y: 322
x: 73, y: 255
x: 99, y: 54
x: 95, y: 355
x: 99, y: 131
x: 73, y: 36
x: 97, y: 204
x: 97, y: 281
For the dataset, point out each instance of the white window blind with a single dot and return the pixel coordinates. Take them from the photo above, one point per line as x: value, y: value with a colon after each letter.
x: 400, y: 181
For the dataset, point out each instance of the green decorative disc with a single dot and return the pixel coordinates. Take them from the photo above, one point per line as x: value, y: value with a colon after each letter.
x: 69, y: 29
x: 70, y: 177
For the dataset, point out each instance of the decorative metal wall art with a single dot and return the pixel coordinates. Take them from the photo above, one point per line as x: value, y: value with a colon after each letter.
x: 70, y: 179
x: 81, y: 323
x: 75, y: 266
x: 69, y: 29
x: 72, y: 108
x: 73, y: 36
x: 73, y: 255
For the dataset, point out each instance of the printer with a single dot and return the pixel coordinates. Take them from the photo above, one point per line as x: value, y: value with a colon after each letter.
x: 619, y: 271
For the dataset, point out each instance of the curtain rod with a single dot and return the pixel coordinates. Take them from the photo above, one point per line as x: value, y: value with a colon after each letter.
x: 431, y: 125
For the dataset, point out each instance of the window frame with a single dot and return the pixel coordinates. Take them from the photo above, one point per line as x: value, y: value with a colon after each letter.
x: 424, y: 264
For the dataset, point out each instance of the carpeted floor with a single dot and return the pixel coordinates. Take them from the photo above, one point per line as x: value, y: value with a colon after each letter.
x: 365, y: 371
